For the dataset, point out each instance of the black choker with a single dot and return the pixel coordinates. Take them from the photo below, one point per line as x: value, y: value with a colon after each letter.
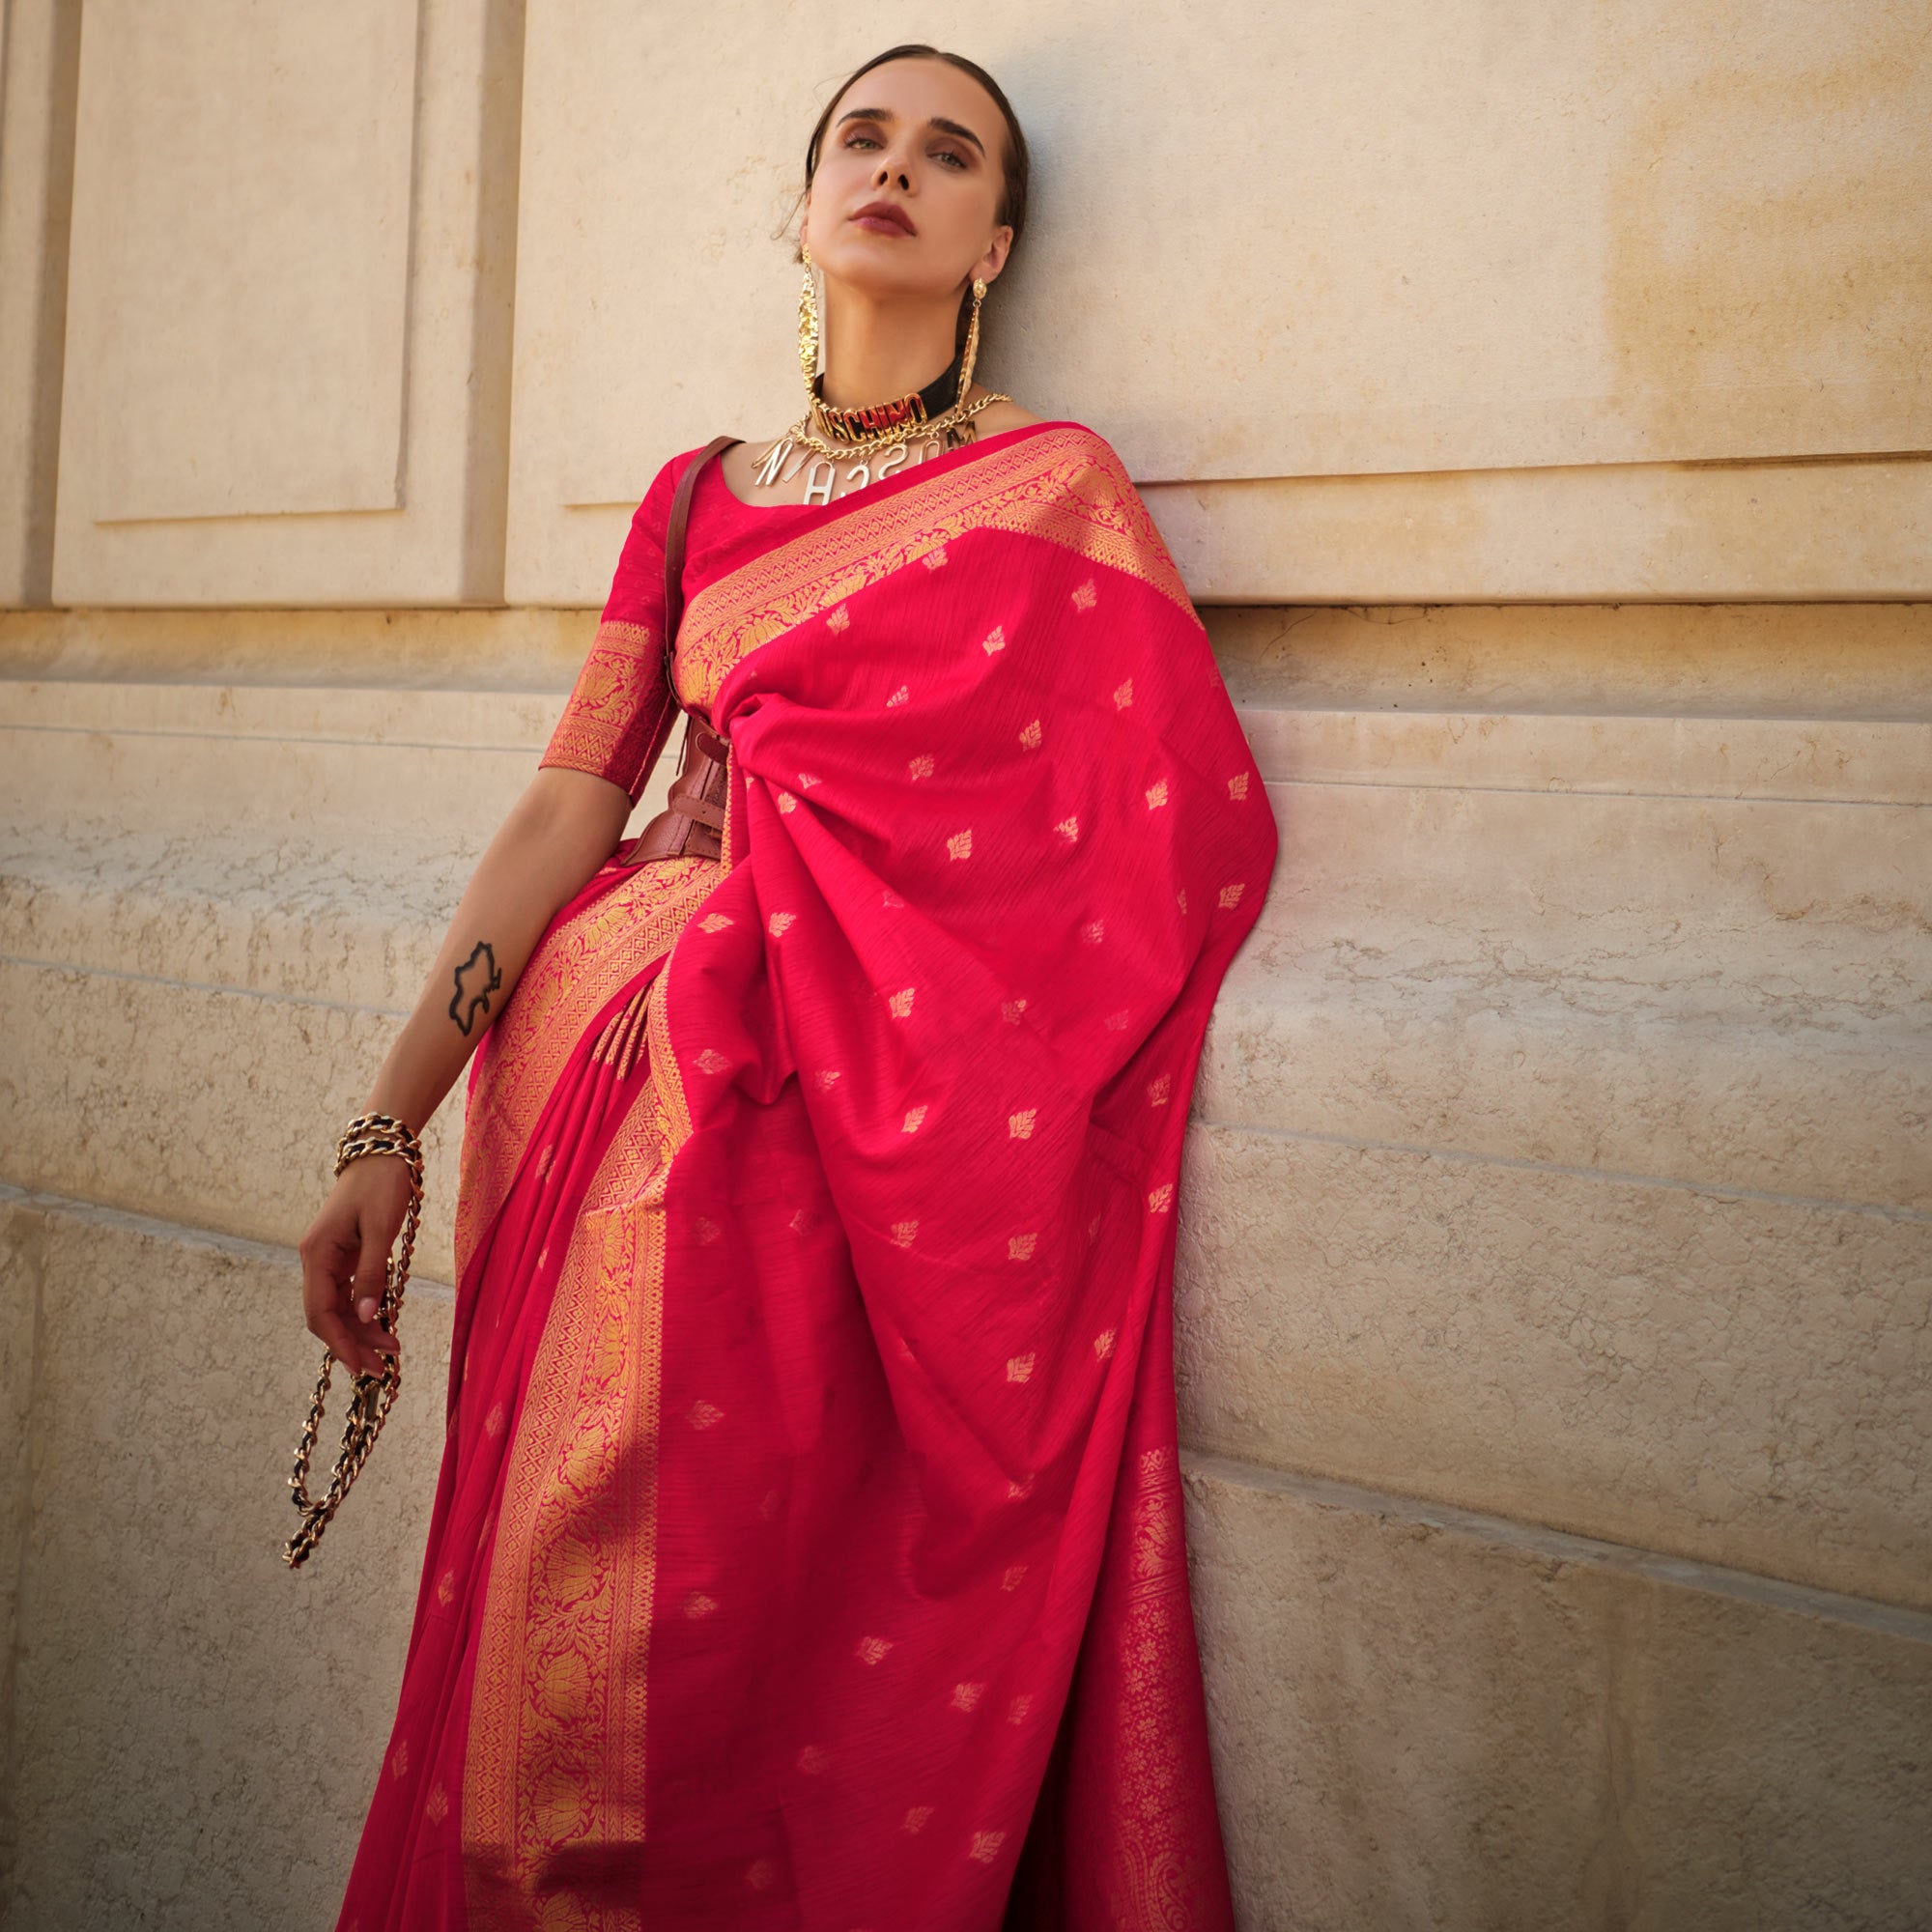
x: 922, y: 406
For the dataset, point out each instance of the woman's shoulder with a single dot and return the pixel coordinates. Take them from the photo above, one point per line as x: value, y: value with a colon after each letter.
x: 996, y: 418
x: 652, y: 516
x: 1077, y: 436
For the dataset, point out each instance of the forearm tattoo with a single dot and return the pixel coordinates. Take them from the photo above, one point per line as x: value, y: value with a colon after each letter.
x: 476, y: 979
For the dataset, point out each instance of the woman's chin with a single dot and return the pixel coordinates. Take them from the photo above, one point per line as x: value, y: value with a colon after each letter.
x: 876, y: 271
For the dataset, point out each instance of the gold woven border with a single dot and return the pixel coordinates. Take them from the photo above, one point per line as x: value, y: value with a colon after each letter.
x: 1063, y: 484
x: 556, y: 1753
x: 622, y: 676
x: 578, y: 967
x: 1148, y: 1886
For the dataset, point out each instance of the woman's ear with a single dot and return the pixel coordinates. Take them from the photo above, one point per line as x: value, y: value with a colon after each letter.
x: 989, y: 264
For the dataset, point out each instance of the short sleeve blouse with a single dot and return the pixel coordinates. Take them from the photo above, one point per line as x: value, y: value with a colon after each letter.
x: 621, y: 709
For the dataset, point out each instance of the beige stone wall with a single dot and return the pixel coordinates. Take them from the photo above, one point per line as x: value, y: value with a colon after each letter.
x: 1516, y: 270
x: 289, y: 304
x: 1534, y: 404
x: 40, y: 50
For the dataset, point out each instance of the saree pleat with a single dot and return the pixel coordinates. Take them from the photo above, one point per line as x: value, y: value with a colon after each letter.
x: 808, y: 1551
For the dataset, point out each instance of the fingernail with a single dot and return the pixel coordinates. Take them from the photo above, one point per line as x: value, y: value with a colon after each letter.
x: 366, y: 1309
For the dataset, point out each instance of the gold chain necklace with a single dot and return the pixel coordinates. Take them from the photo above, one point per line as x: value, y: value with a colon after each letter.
x: 892, y: 444
x: 892, y: 447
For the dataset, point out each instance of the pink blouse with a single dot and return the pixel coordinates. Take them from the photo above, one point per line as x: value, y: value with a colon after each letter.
x: 622, y: 712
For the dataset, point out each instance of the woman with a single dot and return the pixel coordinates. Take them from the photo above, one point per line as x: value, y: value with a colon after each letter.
x: 808, y: 1546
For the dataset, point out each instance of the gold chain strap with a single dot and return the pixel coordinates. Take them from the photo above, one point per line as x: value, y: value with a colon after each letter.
x: 371, y: 1396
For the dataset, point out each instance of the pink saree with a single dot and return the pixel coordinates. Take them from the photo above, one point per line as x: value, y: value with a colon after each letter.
x: 808, y: 1550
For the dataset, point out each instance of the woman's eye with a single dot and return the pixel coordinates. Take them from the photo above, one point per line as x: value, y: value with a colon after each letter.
x: 958, y: 160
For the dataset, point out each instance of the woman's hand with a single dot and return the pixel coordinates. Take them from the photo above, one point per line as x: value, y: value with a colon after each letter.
x: 560, y: 831
x: 343, y: 1257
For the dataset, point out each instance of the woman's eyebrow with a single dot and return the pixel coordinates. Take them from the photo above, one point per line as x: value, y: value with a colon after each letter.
x: 938, y: 120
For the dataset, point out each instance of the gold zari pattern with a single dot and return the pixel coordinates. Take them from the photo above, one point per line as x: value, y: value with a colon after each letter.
x: 1064, y: 485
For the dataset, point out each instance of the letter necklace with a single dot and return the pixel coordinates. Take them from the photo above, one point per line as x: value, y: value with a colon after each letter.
x: 885, y: 430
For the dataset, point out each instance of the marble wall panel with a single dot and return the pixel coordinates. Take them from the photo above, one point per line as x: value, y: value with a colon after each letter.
x: 288, y: 339
x: 40, y: 47
x: 241, y: 258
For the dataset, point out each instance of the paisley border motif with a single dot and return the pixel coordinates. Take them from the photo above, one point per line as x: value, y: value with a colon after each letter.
x: 557, y: 1748
x: 620, y: 713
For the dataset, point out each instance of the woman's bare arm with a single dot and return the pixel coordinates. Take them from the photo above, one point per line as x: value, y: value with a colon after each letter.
x: 563, y: 827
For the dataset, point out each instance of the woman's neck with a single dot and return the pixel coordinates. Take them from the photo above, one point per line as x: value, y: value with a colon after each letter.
x: 877, y: 351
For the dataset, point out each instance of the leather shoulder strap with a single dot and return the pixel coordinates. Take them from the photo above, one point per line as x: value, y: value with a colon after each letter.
x: 681, y: 520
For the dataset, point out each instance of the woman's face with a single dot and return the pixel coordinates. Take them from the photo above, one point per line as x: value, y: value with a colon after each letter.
x: 926, y: 140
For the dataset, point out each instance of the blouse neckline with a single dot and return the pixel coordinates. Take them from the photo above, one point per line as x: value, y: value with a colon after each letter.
x: 913, y: 473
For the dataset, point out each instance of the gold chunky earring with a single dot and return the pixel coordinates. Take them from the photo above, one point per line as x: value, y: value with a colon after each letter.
x: 807, y: 327
x: 972, y: 337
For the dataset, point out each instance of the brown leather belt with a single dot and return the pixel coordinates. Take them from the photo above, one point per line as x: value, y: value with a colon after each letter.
x: 691, y: 825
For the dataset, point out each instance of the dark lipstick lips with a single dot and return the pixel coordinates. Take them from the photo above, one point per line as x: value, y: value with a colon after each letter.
x: 888, y: 212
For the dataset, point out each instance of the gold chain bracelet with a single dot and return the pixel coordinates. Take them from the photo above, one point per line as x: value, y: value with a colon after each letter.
x: 371, y: 1396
